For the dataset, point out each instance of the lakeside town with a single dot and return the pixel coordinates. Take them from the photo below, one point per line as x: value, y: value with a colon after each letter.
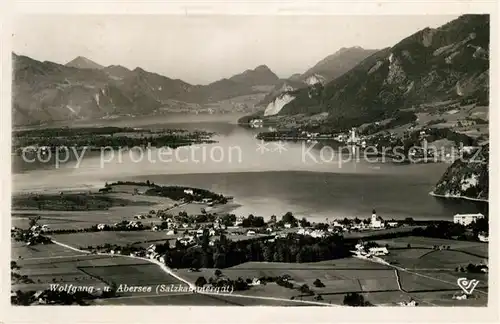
x: 195, y: 233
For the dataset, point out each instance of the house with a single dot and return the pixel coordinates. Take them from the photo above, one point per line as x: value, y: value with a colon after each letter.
x: 460, y: 297
x: 288, y: 225
x: 376, y: 221
x: 155, y: 228
x: 468, y: 149
x: 211, y: 232
x: 409, y: 303
x: 185, y: 225
x: 35, y: 228
x: 378, y: 251
x: 255, y: 282
x: 392, y: 224
x: 466, y: 219
x: 188, y: 192
x: 483, y: 237
x: 171, y: 232
x: 199, y: 232
x: 317, y: 233
x: 250, y: 233
x: 101, y: 227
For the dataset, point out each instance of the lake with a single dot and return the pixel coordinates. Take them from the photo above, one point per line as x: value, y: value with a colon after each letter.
x: 309, y: 179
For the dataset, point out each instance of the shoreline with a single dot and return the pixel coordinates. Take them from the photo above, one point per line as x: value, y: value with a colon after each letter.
x: 457, y: 197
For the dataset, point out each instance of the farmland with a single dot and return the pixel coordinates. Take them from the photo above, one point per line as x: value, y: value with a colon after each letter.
x: 88, y: 270
x: 112, y: 237
x: 426, y: 275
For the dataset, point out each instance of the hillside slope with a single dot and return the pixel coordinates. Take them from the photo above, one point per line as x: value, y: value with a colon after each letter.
x: 447, y: 63
x: 466, y: 178
x: 333, y: 66
x: 322, y: 72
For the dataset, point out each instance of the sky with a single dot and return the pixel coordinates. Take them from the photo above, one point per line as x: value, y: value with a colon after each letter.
x: 203, y: 49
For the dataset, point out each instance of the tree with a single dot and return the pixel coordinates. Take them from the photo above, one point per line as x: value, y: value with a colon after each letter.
x: 409, y: 221
x: 218, y: 273
x: 304, y: 222
x: 200, y: 282
x: 305, y: 289
x: 318, y: 297
x: 318, y: 283
x: 408, y: 246
x: 289, y: 218
x: 354, y: 299
x: 34, y: 221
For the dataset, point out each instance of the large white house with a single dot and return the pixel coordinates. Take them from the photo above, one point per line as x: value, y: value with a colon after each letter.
x: 466, y: 219
x: 378, y: 251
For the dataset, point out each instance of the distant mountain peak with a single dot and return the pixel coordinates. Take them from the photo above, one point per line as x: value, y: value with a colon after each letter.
x: 261, y: 75
x: 262, y: 67
x: 82, y: 62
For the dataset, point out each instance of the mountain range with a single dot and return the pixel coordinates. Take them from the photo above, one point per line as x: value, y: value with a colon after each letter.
x: 352, y: 86
x: 46, y: 91
x: 433, y: 65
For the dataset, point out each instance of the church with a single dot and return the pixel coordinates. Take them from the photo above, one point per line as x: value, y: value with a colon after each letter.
x: 376, y: 221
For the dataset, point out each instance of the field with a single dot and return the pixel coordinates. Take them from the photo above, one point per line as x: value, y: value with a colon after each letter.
x: 112, y: 237
x: 39, y: 252
x: 338, y: 276
x: 81, y: 219
x: 419, y: 273
x: 88, y: 270
x: 429, y: 242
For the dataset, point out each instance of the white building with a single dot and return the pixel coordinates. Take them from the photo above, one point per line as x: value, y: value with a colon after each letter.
x: 466, y: 219
x: 378, y: 251
x: 250, y: 233
x: 376, y: 221
x: 483, y: 237
x: 392, y: 224
x: 255, y: 282
x: 188, y: 192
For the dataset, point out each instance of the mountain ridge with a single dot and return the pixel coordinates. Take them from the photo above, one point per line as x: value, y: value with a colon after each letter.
x: 446, y: 63
x: 47, y: 91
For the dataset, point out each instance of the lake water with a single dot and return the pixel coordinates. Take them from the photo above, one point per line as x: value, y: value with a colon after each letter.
x: 303, y: 178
